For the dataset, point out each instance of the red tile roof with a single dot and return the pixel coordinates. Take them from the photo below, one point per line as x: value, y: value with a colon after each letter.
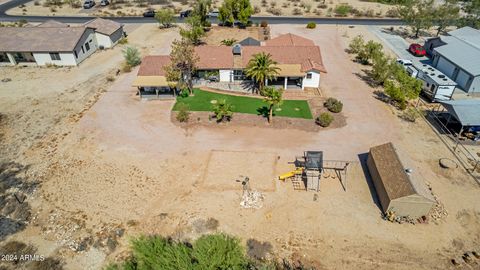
x: 308, y: 56
x: 289, y: 40
x: 153, y: 65
x: 214, y: 57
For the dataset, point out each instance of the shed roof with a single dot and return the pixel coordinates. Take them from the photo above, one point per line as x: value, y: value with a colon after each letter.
x: 153, y: 65
x: 396, y: 181
x: 40, y: 39
x: 103, y: 26
x: 466, y: 111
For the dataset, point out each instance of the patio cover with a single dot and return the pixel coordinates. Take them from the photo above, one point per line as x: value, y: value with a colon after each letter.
x: 150, y: 81
x: 466, y: 111
x: 290, y: 70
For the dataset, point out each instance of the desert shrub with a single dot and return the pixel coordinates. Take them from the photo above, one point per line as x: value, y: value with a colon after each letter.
x: 47, y: 264
x: 132, y: 56
x: 256, y: 9
x: 274, y: 11
x: 126, y: 68
x: 36, y: 3
x: 392, y: 13
x: 322, y: 6
x: 297, y: 11
x: 223, y: 110
x: 410, y: 115
x: 263, y: 24
x: 311, y: 25
x: 123, y: 41
x: 110, y: 78
x: 324, y: 119
x: 183, y: 114
x: 356, y: 45
x: 334, y: 105
x: 342, y: 10
x: 219, y: 251
x: 369, y: 13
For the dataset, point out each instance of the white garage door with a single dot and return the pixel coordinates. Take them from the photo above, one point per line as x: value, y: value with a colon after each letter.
x: 462, y: 79
x: 446, y: 67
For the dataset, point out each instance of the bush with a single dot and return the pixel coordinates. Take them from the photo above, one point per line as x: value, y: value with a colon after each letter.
x: 356, y: 45
x: 184, y: 93
x: 334, y: 105
x: 324, y: 120
x: 311, y: 25
x: 219, y: 251
x: 263, y: 24
x: 392, y: 13
x: 342, y: 10
x: 132, y: 56
x: 223, y: 110
x: 183, y: 114
x: 410, y: 115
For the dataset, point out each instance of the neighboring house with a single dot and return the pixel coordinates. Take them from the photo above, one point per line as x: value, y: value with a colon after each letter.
x: 54, y: 43
x: 299, y: 62
x: 458, y: 57
x: 107, y: 32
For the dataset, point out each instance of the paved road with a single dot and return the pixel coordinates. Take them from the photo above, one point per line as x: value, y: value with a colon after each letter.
x: 398, y: 45
x: 272, y: 20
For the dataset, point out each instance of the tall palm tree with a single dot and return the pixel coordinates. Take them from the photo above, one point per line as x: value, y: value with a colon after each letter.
x: 273, y: 97
x: 260, y: 68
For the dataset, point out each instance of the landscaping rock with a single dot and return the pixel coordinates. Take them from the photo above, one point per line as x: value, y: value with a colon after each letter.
x: 447, y: 163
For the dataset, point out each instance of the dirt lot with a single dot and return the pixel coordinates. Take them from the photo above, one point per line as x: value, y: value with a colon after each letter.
x: 121, y: 168
x: 217, y: 34
x: 307, y: 8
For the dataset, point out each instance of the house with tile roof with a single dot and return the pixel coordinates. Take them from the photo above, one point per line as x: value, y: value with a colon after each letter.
x: 56, y: 43
x: 299, y: 61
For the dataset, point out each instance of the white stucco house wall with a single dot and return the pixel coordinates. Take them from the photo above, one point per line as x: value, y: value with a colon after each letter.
x: 55, y: 43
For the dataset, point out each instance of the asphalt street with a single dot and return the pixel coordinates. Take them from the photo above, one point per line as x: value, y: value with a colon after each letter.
x: 271, y: 19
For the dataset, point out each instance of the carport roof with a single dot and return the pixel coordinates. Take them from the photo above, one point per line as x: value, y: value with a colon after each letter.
x: 466, y: 111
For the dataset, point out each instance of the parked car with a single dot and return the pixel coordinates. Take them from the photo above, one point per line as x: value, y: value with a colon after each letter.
x: 88, y: 4
x: 213, y: 14
x: 104, y: 3
x: 149, y: 13
x: 405, y: 63
x: 417, y: 49
x: 185, y: 13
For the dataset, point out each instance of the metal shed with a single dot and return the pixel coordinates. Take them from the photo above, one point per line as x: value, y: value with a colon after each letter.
x: 399, y: 191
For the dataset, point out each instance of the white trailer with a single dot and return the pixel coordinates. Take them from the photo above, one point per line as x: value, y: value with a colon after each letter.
x: 436, y: 85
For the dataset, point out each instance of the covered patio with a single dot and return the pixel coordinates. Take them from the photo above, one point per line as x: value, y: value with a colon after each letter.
x: 154, y: 87
x: 462, y: 117
x: 289, y: 76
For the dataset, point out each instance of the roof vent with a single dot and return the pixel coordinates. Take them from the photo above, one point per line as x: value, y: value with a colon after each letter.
x: 445, y: 79
x: 237, y: 49
x: 441, y: 76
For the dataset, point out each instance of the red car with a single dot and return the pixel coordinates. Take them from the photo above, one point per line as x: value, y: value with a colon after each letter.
x: 417, y: 49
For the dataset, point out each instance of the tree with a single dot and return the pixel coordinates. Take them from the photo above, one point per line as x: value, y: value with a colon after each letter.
x: 132, y: 56
x: 472, y: 17
x: 369, y: 51
x: 194, y: 30
x: 232, y: 10
x: 164, y: 17
x: 223, y: 110
x: 201, y: 10
x: 356, y: 45
x: 446, y: 15
x: 418, y: 14
x: 260, y: 68
x: 273, y: 97
x: 183, y: 60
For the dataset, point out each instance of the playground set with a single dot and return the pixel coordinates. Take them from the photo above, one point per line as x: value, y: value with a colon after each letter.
x: 310, y: 168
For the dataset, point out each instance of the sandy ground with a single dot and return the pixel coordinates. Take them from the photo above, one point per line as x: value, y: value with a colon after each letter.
x: 136, y: 8
x: 124, y: 164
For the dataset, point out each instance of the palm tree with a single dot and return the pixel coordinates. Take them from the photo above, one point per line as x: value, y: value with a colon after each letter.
x: 273, y: 97
x: 260, y: 68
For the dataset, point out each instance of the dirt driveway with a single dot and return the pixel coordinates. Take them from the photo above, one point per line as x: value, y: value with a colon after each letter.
x: 126, y: 163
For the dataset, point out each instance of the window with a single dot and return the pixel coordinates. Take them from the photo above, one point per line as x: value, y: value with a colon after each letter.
x: 87, y: 46
x: 4, y: 57
x: 55, y: 56
x: 309, y: 75
x: 76, y: 54
x: 83, y: 51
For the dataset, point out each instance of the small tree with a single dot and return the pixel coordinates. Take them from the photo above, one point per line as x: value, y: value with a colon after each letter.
x: 164, y: 17
x: 418, y: 14
x: 201, y: 9
x: 232, y: 10
x: 194, y: 31
x: 223, y: 110
x: 183, y: 114
x: 472, y: 14
x: 273, y: 97
x: 132, y: 56
x: 369, y: 51
x: 446, y: 15
x: 261, y: 68
x: 183, y: 63
x: 225, y: 14
x: 356, y: 45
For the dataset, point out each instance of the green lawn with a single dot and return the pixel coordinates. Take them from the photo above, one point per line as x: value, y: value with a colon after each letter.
x: 201, y: 101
